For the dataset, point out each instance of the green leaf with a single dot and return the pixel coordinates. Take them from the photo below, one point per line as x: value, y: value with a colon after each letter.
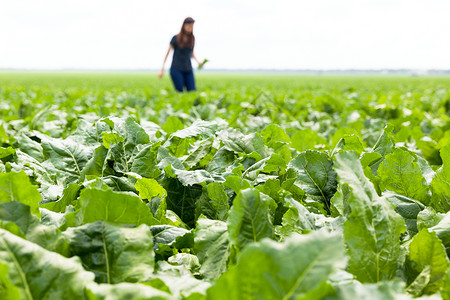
x: 426, y: 253
x: 67, y: 156
x: 349, y: 142
x: 182, y: 199
x: 442, y: 230
x: 236, y: 183
x: 116, y: 207
x: 315, y: 175
x: 296, y: 219
x: 113, y: 253
x: 445, y: 292
x: 307, y: 139
x: 295, y: 269
x: 234, y: 140
x: 441, y: 184
x: 149, y: 188
x: 29, y: 227
x: 5, y: 152
x: 176, y: 237
x: 401, y: 174
x: 275, y: 137
x: 8, y: 291
x: 212, y: 247
x: 407, y: 208
x: 145, y: 162
x: 213, y: 202
x: 372, y: 230
x: 202, y: 149
x: 111, y: 138
x: 17, y: 187
x: 250, y: 218
x: 70, y: 194
x: 31, y: 147
x: 386, y: 290
x: 127, y: 291
x: 41, y: 274
x: 172, y: 124
x: 98, y: 164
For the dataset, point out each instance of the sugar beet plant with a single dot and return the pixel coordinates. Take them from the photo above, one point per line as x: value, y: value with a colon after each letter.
x: 323, y: 192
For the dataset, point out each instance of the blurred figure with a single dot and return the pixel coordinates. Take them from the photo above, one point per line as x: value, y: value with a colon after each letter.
x: 181, y: 70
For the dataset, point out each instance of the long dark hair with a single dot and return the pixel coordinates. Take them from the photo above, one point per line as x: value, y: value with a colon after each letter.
x: 184, y: 38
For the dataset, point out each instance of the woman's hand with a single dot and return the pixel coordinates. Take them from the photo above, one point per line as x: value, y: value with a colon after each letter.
x: 161, y: 73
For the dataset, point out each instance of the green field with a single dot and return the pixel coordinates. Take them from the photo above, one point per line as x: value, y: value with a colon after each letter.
x: 258, y: 186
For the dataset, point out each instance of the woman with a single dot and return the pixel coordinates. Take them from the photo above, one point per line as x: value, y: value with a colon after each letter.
x: 181, y: 69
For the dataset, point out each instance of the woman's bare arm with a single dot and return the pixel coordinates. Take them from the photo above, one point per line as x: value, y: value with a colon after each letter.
x: 161, y: 73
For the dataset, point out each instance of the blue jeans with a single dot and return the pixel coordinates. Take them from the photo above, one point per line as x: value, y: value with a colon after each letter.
x: 182, y: 79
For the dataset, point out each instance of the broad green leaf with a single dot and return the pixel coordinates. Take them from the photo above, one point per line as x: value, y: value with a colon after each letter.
x: 386, y: 290
x: 116, y: 207
x: 275, y: 137
x: 213, y: 202
x: 31, y: 147
x: 442, y: 230
x: 17, y: 187
x: 181, y: 282
x: 189, y: 261
x: 115, y: 254
x: 236, y: 183
x: 315, y: 175
x: 29, y: 227
x: 221, y: 160
x: 200, y: 151
x: 182, y: 199
x: 399, y: 173
x: 177, y: 237
x: 5, y: 152
x: 200, y: 177
x: 201, y: 128
x: 70, y: 194
x: 385, y: 142
x: 149, y: 188
x: 441, y: 184
x: 295, y: 269
x: 145, y: 163
x: 296, y: 219
x: 426, y: 253
x: 407, y: 208
x: 89, y: 133
x: 126, y: 291
x: 349, y: 142
x: 212, y: 247
x: 307, y: 139
x: 172, y: 124
x: 41, y: 274
x: 67, y: 156
x: 372, y: 230
x: 234, y: 140
x: 250, y: 218
x: 98, y: 164
x: 111, y: 138
x: 8, y: 291
x: 273, y: 163
x: 445, y: 292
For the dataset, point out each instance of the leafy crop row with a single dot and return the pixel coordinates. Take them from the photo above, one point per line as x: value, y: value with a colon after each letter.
x: 325, y: 192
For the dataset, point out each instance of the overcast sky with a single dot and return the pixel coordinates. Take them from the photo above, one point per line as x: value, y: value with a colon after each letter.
x: 267, y: 34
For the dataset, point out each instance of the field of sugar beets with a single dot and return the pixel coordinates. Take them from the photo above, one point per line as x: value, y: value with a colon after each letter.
x: 112, y: 186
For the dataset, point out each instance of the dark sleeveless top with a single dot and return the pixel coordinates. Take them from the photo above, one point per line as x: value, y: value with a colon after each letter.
x: 181, y: 56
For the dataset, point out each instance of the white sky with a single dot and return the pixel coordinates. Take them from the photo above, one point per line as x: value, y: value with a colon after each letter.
x: 270, y: 34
